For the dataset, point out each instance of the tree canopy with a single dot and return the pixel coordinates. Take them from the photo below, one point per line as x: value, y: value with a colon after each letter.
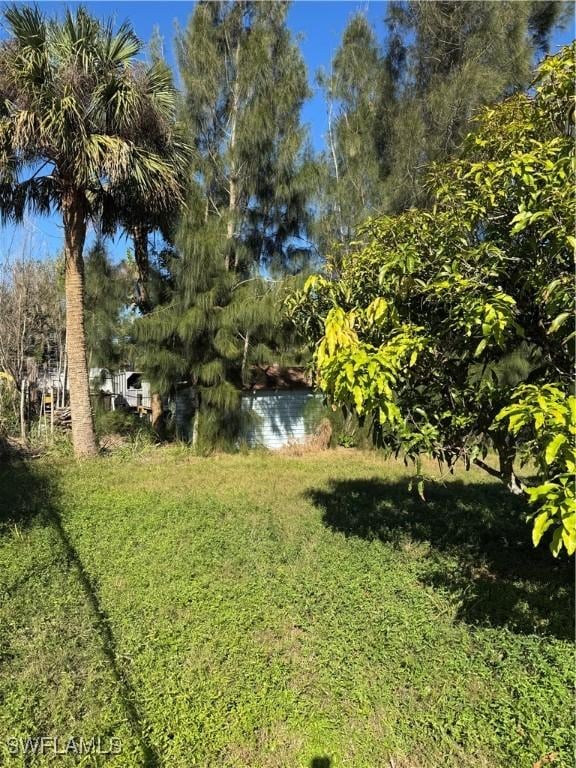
x: 450, y: 327
x: 396, y: 104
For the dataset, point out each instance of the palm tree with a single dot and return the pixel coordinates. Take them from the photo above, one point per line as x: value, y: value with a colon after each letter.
x: 74, y: 103
x: 133, y: 209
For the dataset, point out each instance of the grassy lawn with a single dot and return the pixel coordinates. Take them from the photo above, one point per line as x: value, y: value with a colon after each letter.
x: 258, y: 611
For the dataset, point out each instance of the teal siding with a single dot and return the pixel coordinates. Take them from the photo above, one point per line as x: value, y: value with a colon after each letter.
x: 278, y: 417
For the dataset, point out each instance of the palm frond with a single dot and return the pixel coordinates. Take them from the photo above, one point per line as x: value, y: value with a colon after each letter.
x: 38, y: 195
x: 121, y: 46
x: 27, y: 25
x: 160, y: 89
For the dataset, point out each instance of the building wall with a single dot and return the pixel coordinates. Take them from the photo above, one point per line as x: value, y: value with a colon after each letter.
x: 278, y: 416
x: 117, y: 384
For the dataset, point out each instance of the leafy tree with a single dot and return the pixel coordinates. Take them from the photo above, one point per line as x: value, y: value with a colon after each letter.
x: 73, y: 102
x: 448, y: 328
x: 246, y: 220
x: 444, y: 61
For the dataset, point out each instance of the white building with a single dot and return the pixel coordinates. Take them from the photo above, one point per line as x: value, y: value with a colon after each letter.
x: 277, y: 400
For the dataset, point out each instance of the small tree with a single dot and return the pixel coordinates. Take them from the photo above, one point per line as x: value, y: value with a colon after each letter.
x: 449, y: 328
x: 31, y: 329
x: 108, y: 294
x: 73, y: 103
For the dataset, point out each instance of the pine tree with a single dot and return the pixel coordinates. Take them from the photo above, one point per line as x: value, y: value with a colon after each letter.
x: 107, y: 296
x: 393, y: 108
x: 245, y: 83
x: 444, y: 60
x: 350, y: 187
x: 245, y: 225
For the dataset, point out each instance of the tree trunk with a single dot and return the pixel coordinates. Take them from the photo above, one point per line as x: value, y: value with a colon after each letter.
x: 65, y: 376
x: 196, y: 422
x: 157, y: 409
x: 140, y: 240
x: 232, y: 255
x: 506, y: 456
x: 332, y: 142
x: 23, y: 388
x: 505, y: 472
x: 244, y: 367
x: 74, y: 219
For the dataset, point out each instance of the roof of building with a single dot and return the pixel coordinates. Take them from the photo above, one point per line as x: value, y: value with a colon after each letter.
x: 278, y: 377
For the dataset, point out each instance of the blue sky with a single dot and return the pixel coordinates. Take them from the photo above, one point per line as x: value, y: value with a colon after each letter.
x: 320, y: 25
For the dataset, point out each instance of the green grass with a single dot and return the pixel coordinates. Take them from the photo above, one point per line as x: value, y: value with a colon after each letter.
x: 257, y: 611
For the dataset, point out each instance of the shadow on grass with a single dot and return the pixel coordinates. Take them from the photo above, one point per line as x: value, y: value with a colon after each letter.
x: 320, y: 762
x: 29, y: 497
x: 494, y: 572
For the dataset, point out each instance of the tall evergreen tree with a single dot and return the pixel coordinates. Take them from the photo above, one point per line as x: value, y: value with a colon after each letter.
x: 247, y: 216
x: 107, y: 296
x: 444, y: 60
x: 245, y: 83
x: 350, y: 186
x: 396, y: 107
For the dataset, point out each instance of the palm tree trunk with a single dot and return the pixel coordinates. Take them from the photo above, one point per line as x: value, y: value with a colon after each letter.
x: 74, y: 219
x: 140, y: 240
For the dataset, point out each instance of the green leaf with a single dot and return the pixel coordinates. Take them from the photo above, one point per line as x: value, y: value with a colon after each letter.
x: 569, y: 539
x: 541, y: 525
x: 558, y: 322
x: 541, y: 490
x: 553, y: 448
x: 480, y: 348
x: 556, y: 543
